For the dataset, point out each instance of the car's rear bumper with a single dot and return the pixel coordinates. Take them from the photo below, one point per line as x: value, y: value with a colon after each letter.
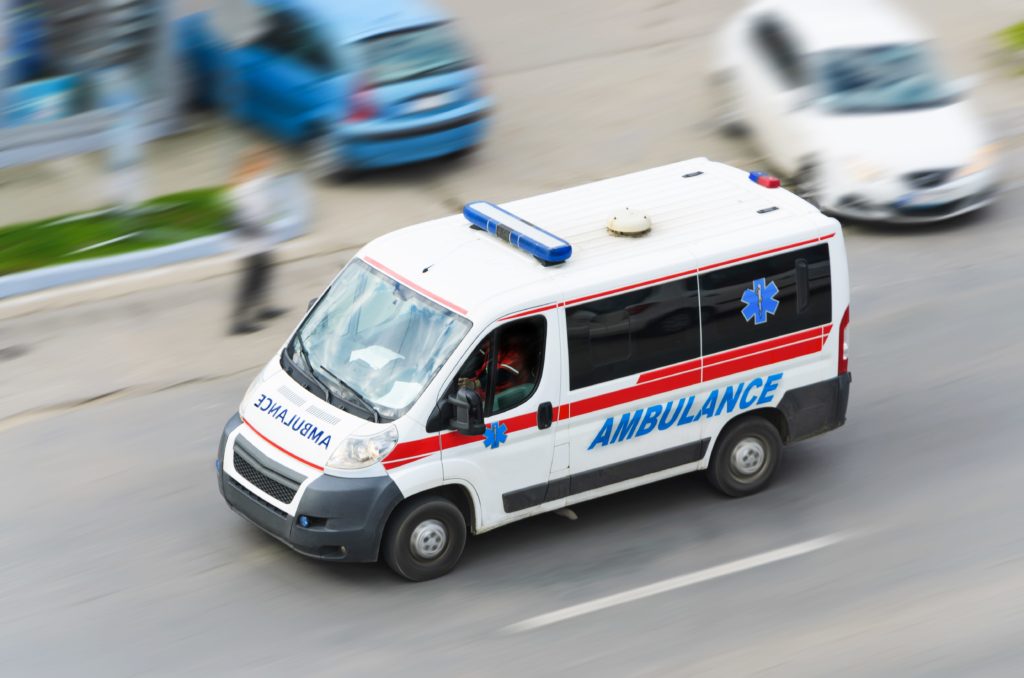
x: 389, y: 143
x: 346, y: 515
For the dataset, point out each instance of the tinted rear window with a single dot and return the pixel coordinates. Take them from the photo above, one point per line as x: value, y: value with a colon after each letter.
x: 415, y: 53
x: 733, y: 315
x: 633, y: 332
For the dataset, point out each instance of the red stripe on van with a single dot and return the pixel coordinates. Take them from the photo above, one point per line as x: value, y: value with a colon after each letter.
x: 625, y: 395
x: 281, y: 449
x: 758, y: 254
x: 762, y: 358
x: 669, y: 371
x: 422, y: 290
x: 626, y: 288
x: 813, y: 333
x: 532, y: 311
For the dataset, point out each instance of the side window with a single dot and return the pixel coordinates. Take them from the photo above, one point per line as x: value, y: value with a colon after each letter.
x: 633, y: 332
x: 288, y: 34
x: 282, y: 33
x: 505, y: 368
x: 312, y: 51
x: 772, y: 41
x: 765, y: 298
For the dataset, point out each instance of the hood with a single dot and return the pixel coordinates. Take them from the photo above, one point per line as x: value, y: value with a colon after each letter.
x: 294, y: 420
x: 904, y: 141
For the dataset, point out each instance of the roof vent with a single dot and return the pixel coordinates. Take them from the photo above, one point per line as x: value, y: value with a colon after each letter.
x: 630, y: 223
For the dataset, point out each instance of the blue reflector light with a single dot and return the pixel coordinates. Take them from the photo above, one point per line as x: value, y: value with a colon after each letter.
x: 303, y: 521
x: 547, y: 247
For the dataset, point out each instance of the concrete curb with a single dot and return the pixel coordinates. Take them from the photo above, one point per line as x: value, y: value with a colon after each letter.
x: 37, y: 280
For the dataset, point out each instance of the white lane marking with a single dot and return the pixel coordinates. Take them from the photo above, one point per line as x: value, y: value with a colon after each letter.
x: 697, y: 577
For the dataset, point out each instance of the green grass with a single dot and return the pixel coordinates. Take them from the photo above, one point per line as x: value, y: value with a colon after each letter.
x: 1012, y: 37
x: 165, y: 220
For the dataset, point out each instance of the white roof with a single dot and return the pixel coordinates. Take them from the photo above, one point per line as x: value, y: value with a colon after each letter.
x: 698, y: 221
x: 834, y: 24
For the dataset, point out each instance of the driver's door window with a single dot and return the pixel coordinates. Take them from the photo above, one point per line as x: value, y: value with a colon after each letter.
x: 505, y: 367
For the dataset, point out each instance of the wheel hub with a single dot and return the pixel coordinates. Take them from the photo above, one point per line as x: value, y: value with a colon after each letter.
x: 748, y: 457
x: 428, y: 539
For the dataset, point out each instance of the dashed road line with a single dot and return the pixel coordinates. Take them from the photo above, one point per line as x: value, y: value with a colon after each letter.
x: 674, y: 583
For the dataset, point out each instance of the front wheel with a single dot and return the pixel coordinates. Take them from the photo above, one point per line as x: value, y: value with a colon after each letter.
x: 425, y: 538
x: 745, y: 457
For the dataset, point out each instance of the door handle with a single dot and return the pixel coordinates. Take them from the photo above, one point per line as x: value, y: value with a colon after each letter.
x: 544, y: 416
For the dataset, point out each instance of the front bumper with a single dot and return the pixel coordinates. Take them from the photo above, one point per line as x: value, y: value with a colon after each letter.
x: 895, y: 214
x: 346, y: 515
x: 892, y: 203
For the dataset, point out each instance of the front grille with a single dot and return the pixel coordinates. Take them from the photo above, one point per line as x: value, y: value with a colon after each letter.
x: 269, y: 476
x: 929, y: 178
x: 255, y: 497
x: 278, y: 491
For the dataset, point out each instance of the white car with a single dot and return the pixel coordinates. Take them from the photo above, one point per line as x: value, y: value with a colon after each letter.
x: 845, y: 99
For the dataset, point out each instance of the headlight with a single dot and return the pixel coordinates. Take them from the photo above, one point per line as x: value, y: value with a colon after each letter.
x: 863, y: 171
x: 361, y: 451
x: 982, y: 160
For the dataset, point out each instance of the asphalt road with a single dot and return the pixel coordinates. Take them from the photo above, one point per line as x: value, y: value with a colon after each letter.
x: 118, y: 557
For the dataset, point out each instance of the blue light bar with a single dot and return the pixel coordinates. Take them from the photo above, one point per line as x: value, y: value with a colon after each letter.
x: 547, y: 247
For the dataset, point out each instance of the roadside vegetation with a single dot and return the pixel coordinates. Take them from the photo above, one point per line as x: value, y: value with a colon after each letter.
x: 162, y: 221
x: 1011, y: 41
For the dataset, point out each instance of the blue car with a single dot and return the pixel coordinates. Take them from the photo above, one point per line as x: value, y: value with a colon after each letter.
x: 360, y: 84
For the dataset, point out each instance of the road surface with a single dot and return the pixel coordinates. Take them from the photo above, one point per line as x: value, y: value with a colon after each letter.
x: 893, y: 546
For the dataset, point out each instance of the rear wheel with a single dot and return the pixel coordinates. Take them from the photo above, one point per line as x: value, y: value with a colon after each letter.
x: 425, y: 538
x: 745, y: 457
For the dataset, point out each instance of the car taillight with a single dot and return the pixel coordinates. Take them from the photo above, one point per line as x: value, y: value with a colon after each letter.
x: 362, y: 105
x: 844, y: 350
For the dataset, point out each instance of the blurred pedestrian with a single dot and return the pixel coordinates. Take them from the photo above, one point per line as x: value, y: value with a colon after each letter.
x: 252, y: 212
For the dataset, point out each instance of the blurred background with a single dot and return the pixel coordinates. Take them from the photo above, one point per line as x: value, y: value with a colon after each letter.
x: 126, y: 125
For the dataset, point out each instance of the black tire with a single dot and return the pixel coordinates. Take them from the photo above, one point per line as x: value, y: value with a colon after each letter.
x: 417, y: 520
x: 734, y: 470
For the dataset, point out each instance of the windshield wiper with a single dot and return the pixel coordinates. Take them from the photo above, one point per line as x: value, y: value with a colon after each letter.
x: 359, y: 396
x: 304, y: 354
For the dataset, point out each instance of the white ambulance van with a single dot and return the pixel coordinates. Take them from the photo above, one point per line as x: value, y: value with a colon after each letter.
x: 482, y: 368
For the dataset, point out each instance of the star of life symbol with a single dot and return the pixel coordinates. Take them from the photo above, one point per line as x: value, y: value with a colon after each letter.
x: 759, y: 301
x: 495, y: 434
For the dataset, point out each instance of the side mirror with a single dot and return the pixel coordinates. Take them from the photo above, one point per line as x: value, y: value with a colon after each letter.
x: 311, y: 304
x: 468, y: 412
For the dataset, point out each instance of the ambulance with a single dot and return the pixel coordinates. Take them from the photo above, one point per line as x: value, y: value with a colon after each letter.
x: 468, y: 372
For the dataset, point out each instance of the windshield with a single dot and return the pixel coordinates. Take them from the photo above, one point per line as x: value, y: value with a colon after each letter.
x: 881, y: 79
x: 373, y: 343
x: 394, y: 57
